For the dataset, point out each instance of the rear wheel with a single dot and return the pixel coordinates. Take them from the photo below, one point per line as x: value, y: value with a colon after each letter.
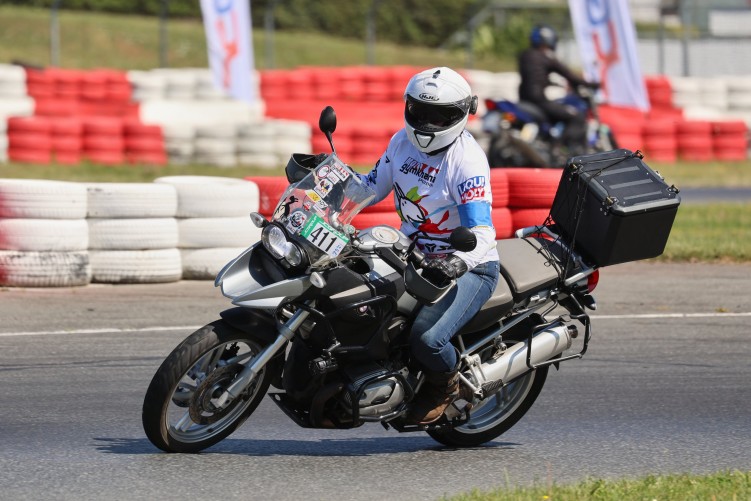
x: 180, y: 410
x: 494, y: 415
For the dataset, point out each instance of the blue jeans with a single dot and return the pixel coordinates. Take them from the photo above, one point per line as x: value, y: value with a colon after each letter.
x: 435, y: 325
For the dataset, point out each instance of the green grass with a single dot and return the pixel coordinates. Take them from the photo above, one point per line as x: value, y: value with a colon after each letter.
x: 705, y: 174
x: 725, y: 486
x: 88, y: 172
x: 712, y: 232
x: 91, y: 40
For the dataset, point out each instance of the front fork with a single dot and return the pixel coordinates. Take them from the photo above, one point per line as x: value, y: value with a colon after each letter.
x: 286, y: 333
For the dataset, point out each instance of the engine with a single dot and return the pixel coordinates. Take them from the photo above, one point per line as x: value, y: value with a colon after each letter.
x: 378, y: 390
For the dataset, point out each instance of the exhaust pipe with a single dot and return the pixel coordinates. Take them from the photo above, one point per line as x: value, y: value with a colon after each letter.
x: 546, y: 344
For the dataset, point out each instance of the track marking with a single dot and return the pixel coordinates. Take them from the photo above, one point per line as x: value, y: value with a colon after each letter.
x: 191, y: 328
x: 670, y: 315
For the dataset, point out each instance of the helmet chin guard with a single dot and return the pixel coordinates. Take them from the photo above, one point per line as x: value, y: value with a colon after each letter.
x: 438, y: 102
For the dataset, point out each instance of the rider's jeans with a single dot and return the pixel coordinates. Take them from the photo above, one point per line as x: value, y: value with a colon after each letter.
x: 435, y: 325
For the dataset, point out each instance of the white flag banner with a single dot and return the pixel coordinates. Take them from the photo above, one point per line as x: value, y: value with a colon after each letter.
x: 230, y: 46
x: 606, y: 38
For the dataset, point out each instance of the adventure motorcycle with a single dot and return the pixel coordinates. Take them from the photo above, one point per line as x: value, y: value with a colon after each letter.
x: 323, y: 311
x: 521, y: 135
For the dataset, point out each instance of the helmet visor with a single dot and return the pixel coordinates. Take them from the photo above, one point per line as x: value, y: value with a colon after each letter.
x: 431, y: 117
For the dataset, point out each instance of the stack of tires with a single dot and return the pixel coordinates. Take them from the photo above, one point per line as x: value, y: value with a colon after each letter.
x: 739, y: 94
x: 3, y: 141
x: 383, y: 212
x: 103, y: 141
x: 501, y: 214
x: 256, y: 144
x: 179, y: 143
x: 43, y: 234
x: 216, y: 145
x: 660, y: 141
x: 213, y: 221
x: 144, y: 144
x: 29, y: 140
x: 67, y: 140
x: 270, y: 190
x: 531, y: 194
x: 291, y: 136
x: 730, y: 140
x: 133, y: 233
x: 695, y: 140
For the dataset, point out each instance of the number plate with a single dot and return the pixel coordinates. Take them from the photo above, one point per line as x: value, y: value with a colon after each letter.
x: 323, y: 236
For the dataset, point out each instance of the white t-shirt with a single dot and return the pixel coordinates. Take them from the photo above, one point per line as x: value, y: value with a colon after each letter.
x: 437, y: 193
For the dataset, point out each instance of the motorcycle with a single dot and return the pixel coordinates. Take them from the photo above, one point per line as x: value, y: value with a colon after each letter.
x: 322, y: 315
x: 521, y: 135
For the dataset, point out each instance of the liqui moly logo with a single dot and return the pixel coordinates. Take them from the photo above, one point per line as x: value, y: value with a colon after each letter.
x: 472, y: 189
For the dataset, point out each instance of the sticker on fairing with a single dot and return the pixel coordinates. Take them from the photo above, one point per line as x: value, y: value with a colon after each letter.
x: 296, y: 220
x: 340, y: 172
x: 323, y: 187
x: 322, y: 235
x: 314, y: 201
x: 324, y: 171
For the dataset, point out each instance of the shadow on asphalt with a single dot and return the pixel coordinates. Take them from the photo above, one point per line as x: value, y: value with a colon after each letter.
x: 326, y: 447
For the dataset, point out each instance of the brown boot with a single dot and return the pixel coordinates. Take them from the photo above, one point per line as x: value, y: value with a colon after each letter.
x: 438, y: 392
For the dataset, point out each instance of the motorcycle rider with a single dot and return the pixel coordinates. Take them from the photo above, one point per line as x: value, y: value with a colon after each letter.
x: 536, y: 63
x: 441, y: 180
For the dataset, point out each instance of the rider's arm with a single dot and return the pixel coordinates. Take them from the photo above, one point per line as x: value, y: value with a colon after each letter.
x: 558, y: 67
x: 474, y: 202
x: 380, y: 178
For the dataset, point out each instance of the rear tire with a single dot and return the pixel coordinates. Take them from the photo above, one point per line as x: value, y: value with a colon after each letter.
x: 495, y: 415
x: 190, y: 379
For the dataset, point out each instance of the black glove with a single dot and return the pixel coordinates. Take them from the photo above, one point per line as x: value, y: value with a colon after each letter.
x: 440, y: 272
x: 593, y: 85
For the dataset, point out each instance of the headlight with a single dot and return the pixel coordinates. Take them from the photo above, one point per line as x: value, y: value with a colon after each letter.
x: 275, y: 241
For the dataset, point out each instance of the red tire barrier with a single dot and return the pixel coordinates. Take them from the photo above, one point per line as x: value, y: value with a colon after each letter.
x: 522, y: 218
x: 532, y: 187
x: 499, y: 187
x: 367, y: 219
x: 270, y: 190
x: 29, y: 124
x: 502, y: 222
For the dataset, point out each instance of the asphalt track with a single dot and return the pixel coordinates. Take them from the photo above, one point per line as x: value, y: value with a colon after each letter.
x: 663, y: 388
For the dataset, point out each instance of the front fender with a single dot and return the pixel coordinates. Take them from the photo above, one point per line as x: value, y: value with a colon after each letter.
x: 253, y: 322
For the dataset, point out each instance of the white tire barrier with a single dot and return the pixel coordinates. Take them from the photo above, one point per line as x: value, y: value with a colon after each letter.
x: 205, y: 264
x: 198, y: 233
x: 210, y: 196
x: 44, y: 235
x: 130, y: 200
x: 44, y: 269
x: 40, y: 199
x: 135, y: 266
x: 132, y: 234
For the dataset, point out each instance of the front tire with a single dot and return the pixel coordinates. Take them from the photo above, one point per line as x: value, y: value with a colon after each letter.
x: 495, y: 415
x: 179, y: 414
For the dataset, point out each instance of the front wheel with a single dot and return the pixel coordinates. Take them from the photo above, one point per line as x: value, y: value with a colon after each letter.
x: 180, y: 411
x: 494, y: 415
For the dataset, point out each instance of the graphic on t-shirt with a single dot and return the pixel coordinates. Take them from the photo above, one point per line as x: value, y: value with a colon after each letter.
x: 410, y: 210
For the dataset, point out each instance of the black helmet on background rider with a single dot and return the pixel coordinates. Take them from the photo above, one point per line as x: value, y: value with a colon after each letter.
x: 543, y: 36
x: 438, y: 103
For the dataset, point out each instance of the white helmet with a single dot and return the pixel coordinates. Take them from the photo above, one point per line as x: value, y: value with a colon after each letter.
x: 437, y: 105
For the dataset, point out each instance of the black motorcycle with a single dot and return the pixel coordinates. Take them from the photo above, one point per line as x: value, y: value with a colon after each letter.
x: 522, y: 136
x: 322, y: 315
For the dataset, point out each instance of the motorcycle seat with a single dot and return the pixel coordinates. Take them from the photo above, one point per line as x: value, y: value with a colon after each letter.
x: 497, y: 306
x: 528, y: 266
x: 534, y: 112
